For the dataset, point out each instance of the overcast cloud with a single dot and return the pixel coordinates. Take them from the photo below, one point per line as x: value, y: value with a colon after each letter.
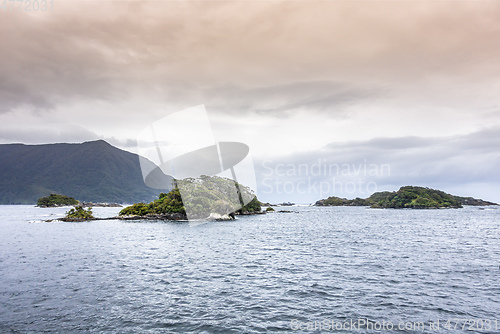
x: 463, y: 165
x: 411, y: 84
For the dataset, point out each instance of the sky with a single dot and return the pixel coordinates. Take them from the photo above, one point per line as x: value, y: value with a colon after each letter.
x: 338, y: 98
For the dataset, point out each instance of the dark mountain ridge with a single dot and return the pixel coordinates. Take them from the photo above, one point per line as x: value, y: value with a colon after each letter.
x: 93, y: 171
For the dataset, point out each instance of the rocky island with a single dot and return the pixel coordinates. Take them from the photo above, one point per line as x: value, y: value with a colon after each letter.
x: 78, y: 213
x: 55, y: 200
x: 212, y: 196
x: 410, y: 197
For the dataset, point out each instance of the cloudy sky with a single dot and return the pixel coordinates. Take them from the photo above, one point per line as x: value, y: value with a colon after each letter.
x: 375, y: 94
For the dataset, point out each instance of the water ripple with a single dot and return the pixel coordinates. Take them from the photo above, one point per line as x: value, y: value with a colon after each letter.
x: 253, y: 275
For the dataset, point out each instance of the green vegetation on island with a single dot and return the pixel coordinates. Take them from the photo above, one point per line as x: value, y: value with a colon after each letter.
x: 166, y: 204
x: 207, y: 194
x: 78, y: 212
x: 56, y: 200
x: 415, y: 198
x: 406, y: 197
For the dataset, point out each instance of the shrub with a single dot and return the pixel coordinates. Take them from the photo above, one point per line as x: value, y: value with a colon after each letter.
x: 80, y: 212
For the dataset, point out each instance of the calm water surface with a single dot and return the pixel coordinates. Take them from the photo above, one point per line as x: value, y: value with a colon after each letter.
x: 260, y: 274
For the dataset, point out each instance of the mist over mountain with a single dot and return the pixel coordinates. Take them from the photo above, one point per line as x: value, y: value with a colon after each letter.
x: 92, y: 171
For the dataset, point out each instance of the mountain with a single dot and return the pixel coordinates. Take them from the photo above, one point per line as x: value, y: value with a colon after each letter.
x: 92, y: 172
x: 407, y: 197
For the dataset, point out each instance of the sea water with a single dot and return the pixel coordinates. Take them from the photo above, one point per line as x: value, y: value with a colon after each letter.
x: 315, y: 269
